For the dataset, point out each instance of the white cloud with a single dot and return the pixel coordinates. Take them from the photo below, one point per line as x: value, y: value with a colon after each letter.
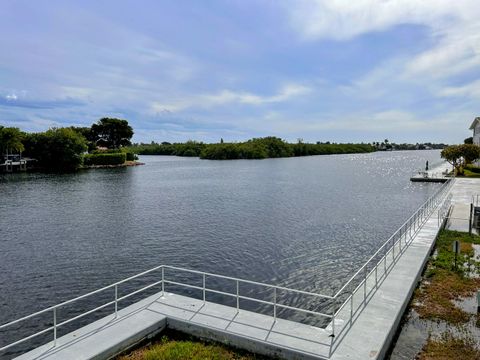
x: 471, y: 90
x: 11, y: 97
x: 396, y: 124
x: 340, y: 19
x: 453, y: 25
x: 228, y: 96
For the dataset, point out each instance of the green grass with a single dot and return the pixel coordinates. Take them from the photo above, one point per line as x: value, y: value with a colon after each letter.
x: 471, y: 174
x: 178, y: 346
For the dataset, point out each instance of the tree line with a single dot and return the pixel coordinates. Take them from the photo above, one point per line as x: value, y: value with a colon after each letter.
x: 256, y: 148
x: 64, y: 149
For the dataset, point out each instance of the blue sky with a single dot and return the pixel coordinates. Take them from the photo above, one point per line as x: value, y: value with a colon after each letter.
x: 337, y: 70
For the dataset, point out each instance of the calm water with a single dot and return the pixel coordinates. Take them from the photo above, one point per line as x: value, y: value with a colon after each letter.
x: 306, y: 223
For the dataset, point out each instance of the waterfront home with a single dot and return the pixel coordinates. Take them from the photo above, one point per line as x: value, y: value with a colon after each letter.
x: 476, y: 130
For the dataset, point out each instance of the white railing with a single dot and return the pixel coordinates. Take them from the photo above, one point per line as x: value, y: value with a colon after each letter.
x: 331, y: 306
x: 393, y: 248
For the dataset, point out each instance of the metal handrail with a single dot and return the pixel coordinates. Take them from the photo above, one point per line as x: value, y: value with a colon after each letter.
x: 414, y: 217
x: 249, y: 282
x: 162, y: 282
x: 412, y: 223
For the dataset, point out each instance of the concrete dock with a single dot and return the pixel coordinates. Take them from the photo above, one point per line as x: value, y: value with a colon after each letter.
x: 363, y: 327
x: 464, y: 193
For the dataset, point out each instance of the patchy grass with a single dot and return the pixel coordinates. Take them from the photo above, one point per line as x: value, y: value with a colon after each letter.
x: 434, y: 299
x: 450, y: 347
x: 178, y: 346
x: 444, y: 283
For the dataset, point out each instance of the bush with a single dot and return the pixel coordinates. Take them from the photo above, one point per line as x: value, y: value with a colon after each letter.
x: 58, y: 149
x: 105, y: 159
x: 130, y: 156
x: 473, y: 169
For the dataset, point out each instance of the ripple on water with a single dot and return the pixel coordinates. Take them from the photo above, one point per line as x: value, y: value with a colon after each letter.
x: 306, y: 223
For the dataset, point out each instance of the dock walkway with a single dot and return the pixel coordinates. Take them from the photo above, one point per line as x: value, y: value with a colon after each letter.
x: 364, y: 325
x: 437, y: 174
x: 464, y: 193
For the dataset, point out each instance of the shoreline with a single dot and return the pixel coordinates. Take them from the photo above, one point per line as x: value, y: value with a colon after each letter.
x: 125, y: 164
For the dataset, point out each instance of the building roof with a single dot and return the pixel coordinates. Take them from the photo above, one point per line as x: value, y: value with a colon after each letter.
x: 474, y: 123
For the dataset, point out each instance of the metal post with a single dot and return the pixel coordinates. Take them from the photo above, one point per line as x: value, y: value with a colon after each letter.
x: 333, y: 317
x: 376, y: 276
x: 351, y: 308
x: 163, y: 281
x: 54, y: 326
x: 393, y: 249
x: 238, y: 298
x: 204, y: 288
x: 274, y: 304
x: 116, y: 300
x: 385, y: 261
x: 365, y: 284
x: 470, y: 220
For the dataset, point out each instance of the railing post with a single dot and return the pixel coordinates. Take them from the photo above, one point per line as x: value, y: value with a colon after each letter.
x: 204, y: 288
x: 163, y: 281
x: 274, y: 304
x: 393, y: 249
x: 54, y: 326
x: 238, y: 298
x: 116, y: 300
x: 351, y: 308
x: 333, y: 317
x: 376, y: 276
x: 385, y: 261
x: 365, y: 285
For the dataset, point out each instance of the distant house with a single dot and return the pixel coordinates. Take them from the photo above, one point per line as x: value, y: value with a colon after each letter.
x: 476, y: 130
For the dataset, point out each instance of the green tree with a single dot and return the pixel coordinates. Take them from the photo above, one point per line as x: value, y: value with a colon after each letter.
x: 88, y: 134
x: 59, y: 149
x: 453, y: 155
x: 11, y: 140
x: 470, y: 153
x: 115, y: 132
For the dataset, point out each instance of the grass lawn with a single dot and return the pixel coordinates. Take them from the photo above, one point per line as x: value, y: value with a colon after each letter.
x: 178, y: 346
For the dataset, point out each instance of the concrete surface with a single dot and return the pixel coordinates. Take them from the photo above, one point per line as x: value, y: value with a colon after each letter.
x: 463, y: 191
x: 106, y: 337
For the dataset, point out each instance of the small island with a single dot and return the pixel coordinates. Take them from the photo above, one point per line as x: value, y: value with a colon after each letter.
x: 256, y: 148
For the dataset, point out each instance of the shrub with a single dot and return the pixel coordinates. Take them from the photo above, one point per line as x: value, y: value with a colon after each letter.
x: 130, y: 156
x: 105, y: 159
x: 473, y: 169
x: 58, y: 149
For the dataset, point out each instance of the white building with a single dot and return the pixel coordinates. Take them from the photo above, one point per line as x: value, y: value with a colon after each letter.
x: 476, y: 130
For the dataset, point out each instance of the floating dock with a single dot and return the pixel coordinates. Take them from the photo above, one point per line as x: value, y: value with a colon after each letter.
x: 438, y: 174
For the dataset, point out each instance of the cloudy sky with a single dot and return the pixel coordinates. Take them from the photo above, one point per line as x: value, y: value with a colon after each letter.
x: 337, y: 70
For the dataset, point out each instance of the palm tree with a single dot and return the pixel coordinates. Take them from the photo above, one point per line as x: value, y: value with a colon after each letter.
x: 11, y: 140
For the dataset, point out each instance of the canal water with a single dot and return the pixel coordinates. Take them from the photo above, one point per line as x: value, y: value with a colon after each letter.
x: 307, y: 223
